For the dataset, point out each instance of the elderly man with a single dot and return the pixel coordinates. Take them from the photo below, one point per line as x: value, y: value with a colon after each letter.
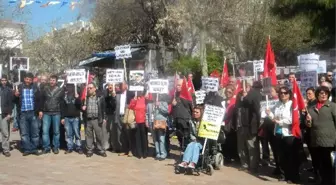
x: 95, y: 117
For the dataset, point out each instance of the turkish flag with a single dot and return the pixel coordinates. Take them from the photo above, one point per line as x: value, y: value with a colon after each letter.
x: 225, y: 79
x: 185, y: 94
x: 215, y: 74
x: 269, y: 63
x: 191, y: 88
x: 234, y: 97
x: 297, y: 105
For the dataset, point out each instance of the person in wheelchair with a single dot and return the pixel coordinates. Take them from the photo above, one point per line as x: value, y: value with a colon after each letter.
x: 192, y: 152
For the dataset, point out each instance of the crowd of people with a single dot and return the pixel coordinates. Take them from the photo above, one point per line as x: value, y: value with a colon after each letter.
x: 118, y: 120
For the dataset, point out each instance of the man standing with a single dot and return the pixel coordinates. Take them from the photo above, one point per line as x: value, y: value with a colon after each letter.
x: 329, y: 77
x: 95, y: 117
x: 28, y: 102
x: 51, y: 98
x: 6, y: 100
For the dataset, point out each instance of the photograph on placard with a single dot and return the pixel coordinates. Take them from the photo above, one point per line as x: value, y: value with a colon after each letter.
x: 136, y: 80
x: 244, y: 69
x: 154, y: 74
x: 19, y: 63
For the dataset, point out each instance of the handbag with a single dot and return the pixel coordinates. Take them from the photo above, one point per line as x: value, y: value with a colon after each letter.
x: 160, y: 124
x: 129, y: 118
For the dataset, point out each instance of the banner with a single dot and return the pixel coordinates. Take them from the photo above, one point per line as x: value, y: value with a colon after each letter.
x: 200, y: 95
x: 309, y: 62
x: 211, y: 122
x: 137, y: 81
x: 114, y: 76
x: 76, y: 76
x: 158, y: 86
x: 123, y: 51
x: 210, y: 84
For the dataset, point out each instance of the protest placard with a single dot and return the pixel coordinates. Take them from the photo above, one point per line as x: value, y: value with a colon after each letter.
x: 271, y: 104
x: 158, y: 86
x: 200, y: 95
x: 210, y: 84
x: 211, y: 122
x: 171, y: 80
x: 322, y: 67
x: 137, y: 80
x: 309, y: 62
x: 258, y: 65
x: 267, y: 86
x: 334, y: 79
x: 114, y: 75
x: 123, y: 51
x: 76, y: 76
x: 308, y: 79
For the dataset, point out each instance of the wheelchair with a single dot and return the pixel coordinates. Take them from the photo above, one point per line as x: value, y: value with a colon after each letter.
x: 212, y: 159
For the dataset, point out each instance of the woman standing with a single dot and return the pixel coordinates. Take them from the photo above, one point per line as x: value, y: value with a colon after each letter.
x: 160, y: 126
x: 287, y: 144
x: 138, y: 104
x: 322, y: 123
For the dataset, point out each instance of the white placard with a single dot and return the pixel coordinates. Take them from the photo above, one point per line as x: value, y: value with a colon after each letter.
x: 200, y: 95
x: 76, y: 76
x: 211, y: 122
x: 158, y: 86
x: 210, y: 84
x: 123, y: 51
x: 309, y: 62
x: 19, y: 63
x: 271, y: 104
x: 334, y: 79
x: 137, y: 80
x: 114, y: 75
x: 308, y: 79
x: 322, y: 67
x: 258, y: 65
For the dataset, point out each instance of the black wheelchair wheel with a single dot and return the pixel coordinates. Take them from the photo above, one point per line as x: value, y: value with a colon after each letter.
x: 219, y: 161
x: 209, y: 169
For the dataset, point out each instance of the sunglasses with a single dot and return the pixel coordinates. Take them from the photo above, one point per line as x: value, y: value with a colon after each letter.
x: 329, y: 75
x: 285, y: 93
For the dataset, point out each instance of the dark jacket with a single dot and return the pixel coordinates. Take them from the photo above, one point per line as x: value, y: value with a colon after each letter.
x: 52, y: 99
x: 182, y: 109
x: 37, y: 99
x: 101, y: 107
x: 70, y: 107
x: 110, y: 102
x: 252, y: 104
x: 6, y: 100
x: 323, y: 129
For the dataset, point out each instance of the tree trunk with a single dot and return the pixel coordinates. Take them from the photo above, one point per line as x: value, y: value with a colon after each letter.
x: 204, y: 63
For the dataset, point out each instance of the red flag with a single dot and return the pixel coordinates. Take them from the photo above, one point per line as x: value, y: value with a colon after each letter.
x: 234, y: 97
x: 215, y: 74
x: 269, y: 63
x: 297, y: 105
x: 185, y: 94
x: 225, y: 79
x: 191, y: 88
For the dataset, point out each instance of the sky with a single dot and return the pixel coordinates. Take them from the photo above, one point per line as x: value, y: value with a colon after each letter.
x: 41, y: 20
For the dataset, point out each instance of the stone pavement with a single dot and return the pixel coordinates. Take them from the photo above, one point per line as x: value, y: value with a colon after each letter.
x: 73, y: 169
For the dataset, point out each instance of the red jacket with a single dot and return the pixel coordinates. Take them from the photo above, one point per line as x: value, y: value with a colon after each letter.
x: 139, y: 107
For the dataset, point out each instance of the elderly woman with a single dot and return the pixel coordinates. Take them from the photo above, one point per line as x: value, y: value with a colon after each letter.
x: 287, y: 144
x: 192, y: 152
x: 322, y: 123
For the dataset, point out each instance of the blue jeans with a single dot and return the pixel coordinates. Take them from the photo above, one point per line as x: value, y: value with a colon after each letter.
x: 15, y: 118
x: 160, y: 140
x: 191, y: 154
x: 29, y: 131
x: 72, y: 130
x: 55, y: 121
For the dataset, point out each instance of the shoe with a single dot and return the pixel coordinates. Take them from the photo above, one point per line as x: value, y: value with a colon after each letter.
x: 56, y: 151
x: 103, y: 154
x: 191, y: 165
x: 68, y: 152
x: 183, y: 165
x: 80, y: 151
x: 122, y: 154
x: 161, y: 159
x: 130, y: 155
x: 276, y: 172
x: 37, y: 153
x: 46, y: 151
x: 7, y: 154
x: 89, y: 154
x: 25, y: 153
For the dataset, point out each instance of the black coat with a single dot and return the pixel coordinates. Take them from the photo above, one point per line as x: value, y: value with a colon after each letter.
x: 251, y: 104
x: 183, y: 108
x: 52, y: 99
x: 6, y: 100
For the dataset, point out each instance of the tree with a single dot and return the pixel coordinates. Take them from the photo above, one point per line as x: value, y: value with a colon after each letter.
x: 59, y: 50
